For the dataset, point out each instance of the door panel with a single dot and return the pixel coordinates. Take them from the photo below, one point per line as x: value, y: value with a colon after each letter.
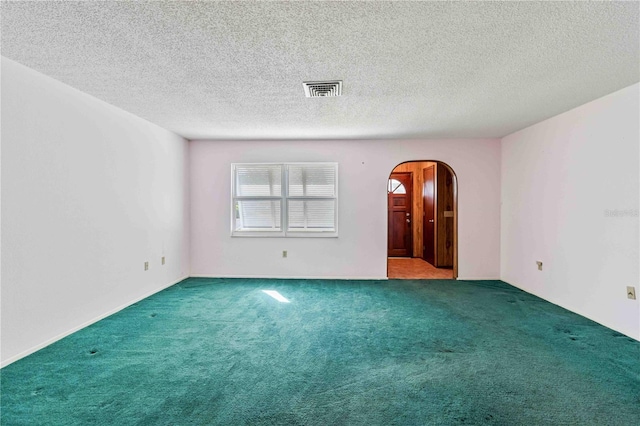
x: 444, y: 218
x: 399, y: 213
x: 429, y: 200
x: 399, y: 226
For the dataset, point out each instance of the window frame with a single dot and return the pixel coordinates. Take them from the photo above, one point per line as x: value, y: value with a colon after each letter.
x: 284, y: 199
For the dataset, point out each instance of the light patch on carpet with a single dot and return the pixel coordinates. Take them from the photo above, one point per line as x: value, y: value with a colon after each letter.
x: 277, y: 296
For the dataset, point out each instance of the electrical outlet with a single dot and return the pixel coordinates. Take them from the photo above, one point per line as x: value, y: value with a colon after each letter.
x: 539, y: 265
x: 284, y: 253
x: 631, y: 293
x: 146, y: 266
x: 163, y: 260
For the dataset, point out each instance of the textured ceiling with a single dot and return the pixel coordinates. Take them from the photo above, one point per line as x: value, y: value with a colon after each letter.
x: 235, y: 70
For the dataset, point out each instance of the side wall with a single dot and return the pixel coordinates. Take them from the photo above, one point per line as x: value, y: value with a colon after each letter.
x: 360, y: 251
x: 89, y: 193
x: 570, y: 199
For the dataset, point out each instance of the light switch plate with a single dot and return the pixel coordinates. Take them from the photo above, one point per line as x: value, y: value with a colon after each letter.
x: 631, y: 293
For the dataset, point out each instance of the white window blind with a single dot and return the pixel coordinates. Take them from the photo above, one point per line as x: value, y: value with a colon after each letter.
x: 311, y: 215
x: 310, y: 180
x: 259, y: 180
x: 259, y: 215
x: 288, y: 199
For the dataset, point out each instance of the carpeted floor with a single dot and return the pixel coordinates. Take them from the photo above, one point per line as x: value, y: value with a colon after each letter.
x: 221, y: 351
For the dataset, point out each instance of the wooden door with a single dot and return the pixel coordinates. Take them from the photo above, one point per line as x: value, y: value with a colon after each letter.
x: 399, y: 241
x: 444, y: 218
x: 429, y: 217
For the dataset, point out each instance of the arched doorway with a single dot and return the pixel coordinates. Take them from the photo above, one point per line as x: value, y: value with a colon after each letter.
x: 422, y: 221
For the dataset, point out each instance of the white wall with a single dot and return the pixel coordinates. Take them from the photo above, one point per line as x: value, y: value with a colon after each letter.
x: 559, y: 179
x: 89, y: 192
x: 361, y: 248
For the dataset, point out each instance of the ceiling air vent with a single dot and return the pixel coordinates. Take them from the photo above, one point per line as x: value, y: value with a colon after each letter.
x: 316, y: 89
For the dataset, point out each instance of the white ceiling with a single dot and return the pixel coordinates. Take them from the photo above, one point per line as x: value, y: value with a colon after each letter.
x: 209, y: 70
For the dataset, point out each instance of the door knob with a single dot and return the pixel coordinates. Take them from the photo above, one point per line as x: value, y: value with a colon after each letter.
x: 408, y: 221
x: 431, y: 221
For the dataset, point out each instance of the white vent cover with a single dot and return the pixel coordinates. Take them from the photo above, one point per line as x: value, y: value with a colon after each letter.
x: 315, y: 89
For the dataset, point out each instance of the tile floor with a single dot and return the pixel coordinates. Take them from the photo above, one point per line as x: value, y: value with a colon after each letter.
x: 412, y: 268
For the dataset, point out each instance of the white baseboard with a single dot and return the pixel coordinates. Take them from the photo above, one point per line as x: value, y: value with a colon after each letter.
x: 282, y: 277
x: 478, y: 279
x: 85, y: 324
x: 277, y: 277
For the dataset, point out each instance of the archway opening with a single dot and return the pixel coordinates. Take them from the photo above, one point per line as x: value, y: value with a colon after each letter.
x: 422, y: 221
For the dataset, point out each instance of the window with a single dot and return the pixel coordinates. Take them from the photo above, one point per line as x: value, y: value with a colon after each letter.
x: 396, y: 187
x: 285, y: 200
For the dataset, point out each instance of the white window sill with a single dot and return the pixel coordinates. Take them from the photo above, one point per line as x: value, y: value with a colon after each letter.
x: 289, y: 234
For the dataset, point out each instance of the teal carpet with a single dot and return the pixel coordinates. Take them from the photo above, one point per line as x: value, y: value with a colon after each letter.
x: 221, y: 351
